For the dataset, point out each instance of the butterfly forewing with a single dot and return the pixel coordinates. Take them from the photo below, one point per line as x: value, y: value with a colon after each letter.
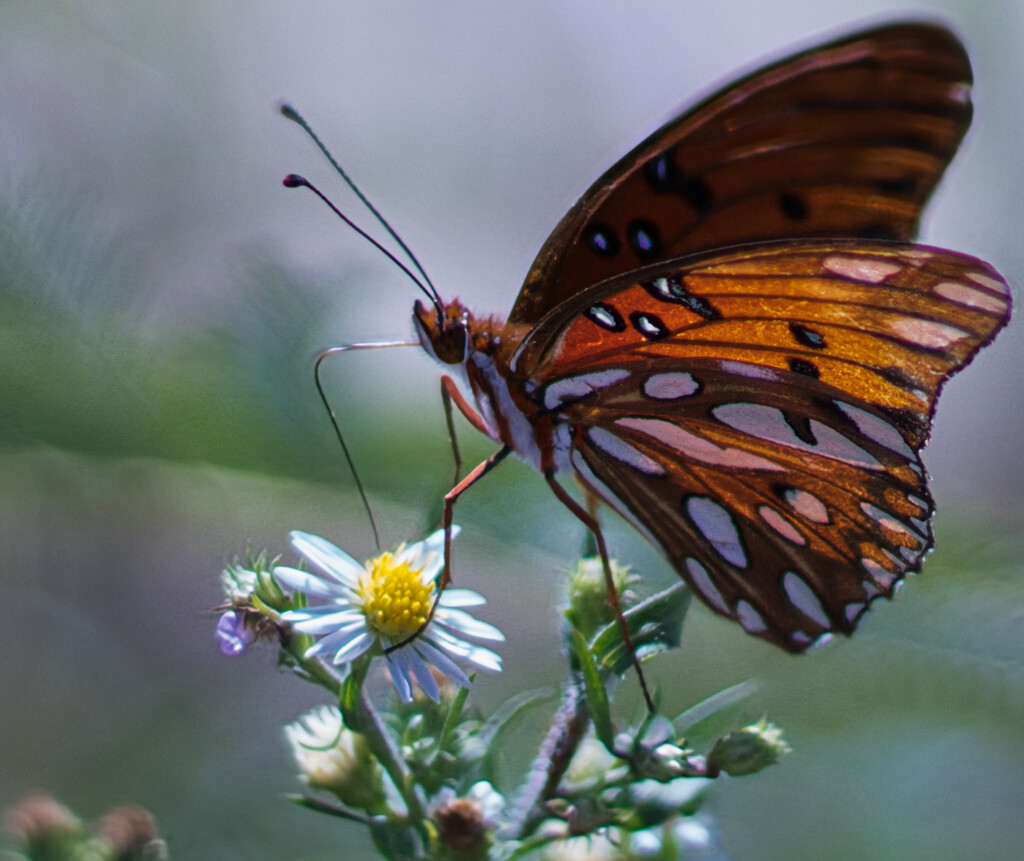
x: 845, y: 140
x: 759, y: 411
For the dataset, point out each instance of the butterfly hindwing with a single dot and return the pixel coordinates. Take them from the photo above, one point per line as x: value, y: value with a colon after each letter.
x: 845, y: 140
x: 778, y: 510
x: 762, y: 420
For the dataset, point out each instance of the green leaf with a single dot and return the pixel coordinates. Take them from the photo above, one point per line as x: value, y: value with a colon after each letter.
x: 348, y: 702
x: 597, y: 696
x: 655, y: 625
x: 699, y: 718
x: 492, y: 732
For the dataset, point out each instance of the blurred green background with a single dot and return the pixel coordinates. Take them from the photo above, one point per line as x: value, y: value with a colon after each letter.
x: 161, y: 296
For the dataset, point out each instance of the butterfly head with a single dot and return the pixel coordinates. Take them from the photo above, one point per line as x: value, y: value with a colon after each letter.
x: 444, y: 332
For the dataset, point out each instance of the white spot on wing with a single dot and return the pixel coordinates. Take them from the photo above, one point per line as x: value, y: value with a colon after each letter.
x: 868, y: 269
x: 782, y: 526
x: 749, y: 618
x: 807, y: 504
x: 696, y: 447
x: 703, y: 583
x: 802, y: 596
x: 623, y: 451
x: 769, y: 424
x: 571, y: 388
x: 718, y: 527
x: 990, y: 283
x: 877, y: 429
x: 916, y: 256
x: 969, y: 297
x: 669, y: 387
x: 927, y: 333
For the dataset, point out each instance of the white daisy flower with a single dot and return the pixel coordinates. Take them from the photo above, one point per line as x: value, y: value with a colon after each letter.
x: 385, y: 602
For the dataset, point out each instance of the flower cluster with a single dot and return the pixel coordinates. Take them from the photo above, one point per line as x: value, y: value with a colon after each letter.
x: 419, y: 771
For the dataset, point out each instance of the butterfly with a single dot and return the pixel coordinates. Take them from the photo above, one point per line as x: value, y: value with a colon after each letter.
x: 731, y: 340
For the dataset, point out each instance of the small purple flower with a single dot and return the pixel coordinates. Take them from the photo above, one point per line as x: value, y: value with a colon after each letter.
x: 233, y: 636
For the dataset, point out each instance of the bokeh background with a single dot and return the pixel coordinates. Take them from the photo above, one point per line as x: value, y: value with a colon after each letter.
x: 161, y: 296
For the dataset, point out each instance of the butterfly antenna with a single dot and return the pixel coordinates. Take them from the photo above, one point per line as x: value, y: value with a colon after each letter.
x: 293, y: 180
x: 341, y: 439
x: 290, y: 113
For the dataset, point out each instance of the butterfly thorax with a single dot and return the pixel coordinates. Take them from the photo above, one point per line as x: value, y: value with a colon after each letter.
x: 479, y: 351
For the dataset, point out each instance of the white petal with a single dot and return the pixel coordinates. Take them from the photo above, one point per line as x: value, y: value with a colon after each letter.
x: 306, y: 613
x: 441, y: 661
x: 329, y: 558
x: 461, y: 622
x: 317, y: 626
x: 356, y: 647
x: 303, y: 581
x: 478, y: 655
x: 398, y: 664
x: 423, y: 676
x: 427, y: 554
x: 484, y: 658
x: 451, y: 644
x: 461, y: 598
x: 349, y: 642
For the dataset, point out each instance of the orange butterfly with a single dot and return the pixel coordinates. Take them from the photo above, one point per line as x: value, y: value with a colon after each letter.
x: 730, y: 340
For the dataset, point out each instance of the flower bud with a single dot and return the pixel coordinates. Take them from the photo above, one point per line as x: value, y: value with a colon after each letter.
x: 333, y: 758
x: 131, y: 833
x: 747, y: 750
x: 44, y: 827
x: 589, y: 607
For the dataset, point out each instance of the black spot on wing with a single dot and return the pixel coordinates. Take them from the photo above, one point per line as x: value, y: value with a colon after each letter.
x: 606, y: 316
x: 661, y: 174
x: 644, y: 238
x: 649, y: 325
x: 807, y: 337
x: 664, y: 177
x: 793, y: 207
x: 601, y: 239
x: 802, y: 366
x: 672, y: 289
x: 697, y: 193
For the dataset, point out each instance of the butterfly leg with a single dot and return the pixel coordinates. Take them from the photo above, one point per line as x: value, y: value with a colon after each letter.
x: 590, y: 521
x: 452, y: 496
x: 450, y: 394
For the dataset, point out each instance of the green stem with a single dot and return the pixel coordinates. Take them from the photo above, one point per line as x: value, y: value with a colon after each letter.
x: 556, y: 752
x: 383, y: 747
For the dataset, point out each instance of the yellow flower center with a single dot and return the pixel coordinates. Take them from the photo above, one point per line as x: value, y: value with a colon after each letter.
x: 395, y: 600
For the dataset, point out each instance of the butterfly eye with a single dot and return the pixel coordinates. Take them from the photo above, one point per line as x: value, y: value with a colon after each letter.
x: 446, y: 339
